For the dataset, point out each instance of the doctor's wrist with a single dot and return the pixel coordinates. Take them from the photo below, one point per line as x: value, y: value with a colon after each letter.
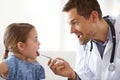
x: 72, y: 76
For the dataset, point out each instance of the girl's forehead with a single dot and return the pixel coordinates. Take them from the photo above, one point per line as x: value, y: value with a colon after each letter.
x: 32, y: 33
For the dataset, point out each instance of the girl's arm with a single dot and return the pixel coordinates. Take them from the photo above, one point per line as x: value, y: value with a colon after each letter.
x: 3, y: 68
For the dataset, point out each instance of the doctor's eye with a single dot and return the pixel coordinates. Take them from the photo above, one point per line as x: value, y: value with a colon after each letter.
x: 74, y: 23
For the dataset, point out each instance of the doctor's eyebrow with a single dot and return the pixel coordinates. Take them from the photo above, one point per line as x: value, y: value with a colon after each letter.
x: 72, y: 21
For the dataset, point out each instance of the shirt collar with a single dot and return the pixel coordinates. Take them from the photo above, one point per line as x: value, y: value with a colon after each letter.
x: 109, y: 37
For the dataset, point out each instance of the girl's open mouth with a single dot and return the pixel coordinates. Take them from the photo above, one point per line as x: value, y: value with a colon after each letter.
x: 38, y: 53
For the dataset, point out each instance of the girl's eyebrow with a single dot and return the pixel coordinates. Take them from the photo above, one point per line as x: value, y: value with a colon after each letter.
x: 35, y: 37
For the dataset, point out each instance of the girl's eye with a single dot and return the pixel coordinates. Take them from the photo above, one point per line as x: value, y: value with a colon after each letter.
x: 35, y: 40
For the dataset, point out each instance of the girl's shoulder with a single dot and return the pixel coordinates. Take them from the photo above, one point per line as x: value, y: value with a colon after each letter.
x: 9, y: 59
x: 16, y: 65
x: 14, y: 61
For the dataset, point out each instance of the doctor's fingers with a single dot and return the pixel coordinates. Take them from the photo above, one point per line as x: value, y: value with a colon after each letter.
x: 51, y: 62
x: 57, y: 68
x: 56, y: 64
x: 64, y: 62
x: 61, y: 59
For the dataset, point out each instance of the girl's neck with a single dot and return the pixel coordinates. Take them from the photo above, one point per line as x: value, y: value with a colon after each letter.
x: 23, y: 58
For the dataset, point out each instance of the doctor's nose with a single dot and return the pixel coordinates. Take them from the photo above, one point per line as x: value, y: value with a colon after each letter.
x: 73, y: 29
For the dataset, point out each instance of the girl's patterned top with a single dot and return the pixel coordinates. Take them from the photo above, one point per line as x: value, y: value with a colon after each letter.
x: 21, y: 70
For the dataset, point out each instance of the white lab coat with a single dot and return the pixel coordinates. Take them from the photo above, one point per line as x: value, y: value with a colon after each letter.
x: 90, y: 66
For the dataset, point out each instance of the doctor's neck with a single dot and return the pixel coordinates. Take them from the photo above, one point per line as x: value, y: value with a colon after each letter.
x: 102, y: 31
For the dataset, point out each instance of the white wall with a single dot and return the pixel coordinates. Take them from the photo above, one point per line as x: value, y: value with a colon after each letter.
x: 45, y: 15
x: 110, y: 7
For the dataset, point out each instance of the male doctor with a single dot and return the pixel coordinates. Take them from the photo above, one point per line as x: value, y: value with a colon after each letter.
x: 98, y: 56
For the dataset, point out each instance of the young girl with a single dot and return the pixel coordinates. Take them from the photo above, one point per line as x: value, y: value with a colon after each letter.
x: 21, y: 39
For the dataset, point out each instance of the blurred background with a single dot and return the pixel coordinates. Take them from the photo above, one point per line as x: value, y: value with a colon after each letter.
x: 48, y: 18
x: 50, y: 22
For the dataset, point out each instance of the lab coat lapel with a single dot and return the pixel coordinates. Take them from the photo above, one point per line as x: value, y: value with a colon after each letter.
x: 108, y: 47
x: 107, y: 53
x: 98, y: 61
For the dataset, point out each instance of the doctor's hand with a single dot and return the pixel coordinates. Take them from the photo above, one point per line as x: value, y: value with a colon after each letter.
x: 62, y: 68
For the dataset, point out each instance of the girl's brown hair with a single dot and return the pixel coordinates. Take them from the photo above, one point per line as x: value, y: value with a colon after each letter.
x: 15, y: 32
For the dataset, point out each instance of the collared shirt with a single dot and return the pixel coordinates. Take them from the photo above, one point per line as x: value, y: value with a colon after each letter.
x: 101, y: 46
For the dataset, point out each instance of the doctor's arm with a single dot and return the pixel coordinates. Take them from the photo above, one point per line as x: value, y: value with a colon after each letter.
x: 63, y: 68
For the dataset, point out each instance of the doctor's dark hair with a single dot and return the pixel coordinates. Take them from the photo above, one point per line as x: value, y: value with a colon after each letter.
x: 15, y: 32
x: 84, y: 7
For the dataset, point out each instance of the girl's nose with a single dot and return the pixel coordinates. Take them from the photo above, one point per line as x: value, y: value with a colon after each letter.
x: 39, y: 43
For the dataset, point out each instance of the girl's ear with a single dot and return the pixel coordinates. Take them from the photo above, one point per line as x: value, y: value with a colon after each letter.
x: 20, y: 46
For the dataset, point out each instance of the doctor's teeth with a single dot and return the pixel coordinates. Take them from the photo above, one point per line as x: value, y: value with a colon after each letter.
x: 80, y: 36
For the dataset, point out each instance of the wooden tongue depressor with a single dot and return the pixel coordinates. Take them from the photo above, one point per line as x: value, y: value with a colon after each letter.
x: 46, y: 56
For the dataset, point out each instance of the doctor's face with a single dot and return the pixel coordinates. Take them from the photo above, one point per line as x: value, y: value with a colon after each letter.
x: 83, y: 28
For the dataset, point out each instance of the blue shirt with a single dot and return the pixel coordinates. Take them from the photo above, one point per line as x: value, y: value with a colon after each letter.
x: 21, y: 70
x: 101, y: 46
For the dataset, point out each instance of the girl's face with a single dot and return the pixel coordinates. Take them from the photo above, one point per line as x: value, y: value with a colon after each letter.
x: 31, y: 46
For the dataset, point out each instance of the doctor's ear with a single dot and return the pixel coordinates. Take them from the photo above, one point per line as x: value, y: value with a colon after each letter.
x: 94, y: 17
x: 20, y: 46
